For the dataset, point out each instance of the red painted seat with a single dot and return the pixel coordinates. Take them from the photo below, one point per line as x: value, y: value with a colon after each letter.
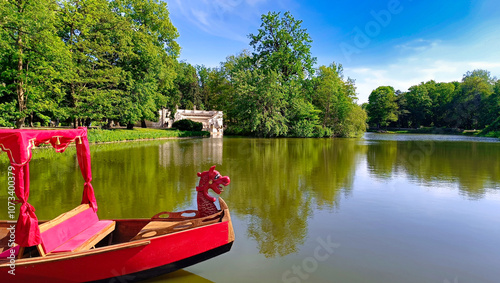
x: 7, y: 253
x: 75, y: 230
x: 77, y: 242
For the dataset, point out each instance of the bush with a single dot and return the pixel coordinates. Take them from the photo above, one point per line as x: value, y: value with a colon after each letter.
x: 188, y: 125
x: 303, y: 129
x: 320, y: 132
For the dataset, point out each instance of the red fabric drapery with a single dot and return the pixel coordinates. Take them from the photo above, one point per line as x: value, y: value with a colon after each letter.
x: 83, y: 152
x: 18, y: 144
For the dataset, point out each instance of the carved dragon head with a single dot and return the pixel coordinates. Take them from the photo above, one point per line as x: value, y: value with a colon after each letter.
x: 211, y: 179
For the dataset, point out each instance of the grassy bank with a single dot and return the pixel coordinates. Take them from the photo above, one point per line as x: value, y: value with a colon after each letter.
x: 491, y: 134
x: 439, y: 131
x: 425, y: 130
x: 99, y: 135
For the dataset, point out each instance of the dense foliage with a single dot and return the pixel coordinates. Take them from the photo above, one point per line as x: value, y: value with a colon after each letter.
x: 473, y: 103
x: 78, y: 61
x: 85, y: 60
x: 273, y: 90
x: 382, y: 106
x: 188, y: 125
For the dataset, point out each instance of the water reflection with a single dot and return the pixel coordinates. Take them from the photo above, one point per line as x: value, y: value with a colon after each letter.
x: 179, y: 276
x: 188, y: 152
x: 471, y: 166
x: 279, y: 181
x: 131, y: 180
x: 277, y: 184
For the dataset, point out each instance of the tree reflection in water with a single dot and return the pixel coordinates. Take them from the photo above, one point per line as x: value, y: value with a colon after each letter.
x: 276, y: 184
x: 279, y: 182
x: 472, y: 166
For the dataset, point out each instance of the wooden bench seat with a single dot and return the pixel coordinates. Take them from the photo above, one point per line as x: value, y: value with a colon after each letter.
x: 76, y: 230
x: 88, y: 238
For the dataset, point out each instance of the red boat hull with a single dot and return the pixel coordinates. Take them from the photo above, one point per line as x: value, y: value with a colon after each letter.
x: 131, y: 261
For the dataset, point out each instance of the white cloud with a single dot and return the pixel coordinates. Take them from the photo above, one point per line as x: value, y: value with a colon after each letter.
x: 201, y: 17
x: 423, y: 60
x: 417, y: 45
x: 222, y: 18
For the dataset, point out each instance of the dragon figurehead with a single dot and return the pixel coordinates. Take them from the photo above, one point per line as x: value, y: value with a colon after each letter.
x: 210, y: 179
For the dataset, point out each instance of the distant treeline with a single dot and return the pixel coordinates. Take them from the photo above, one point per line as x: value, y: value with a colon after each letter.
x: 473, y: 103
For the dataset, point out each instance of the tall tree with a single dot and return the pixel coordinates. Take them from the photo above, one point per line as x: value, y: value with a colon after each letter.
x: 153, y: 56
x: 441, y: 95
x: 491, y: 117
x: 98, y: 40
x: 382, y: 108
x: 283, y: 46
x: 336, y: 97
x: 259, y: 104
x: 215, y: 88
x: 475, y: 88
x: 418, y: 104
x: 32, y: 58
x: 185, y: 92
x: 333, y: 95
x: 301, y: 115
x: 484, y: 75
x: 354, y: 125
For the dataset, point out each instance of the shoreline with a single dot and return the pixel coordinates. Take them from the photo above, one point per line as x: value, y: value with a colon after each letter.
x: 101, y: 136
x: 149, y: 139
x: 437, y: 131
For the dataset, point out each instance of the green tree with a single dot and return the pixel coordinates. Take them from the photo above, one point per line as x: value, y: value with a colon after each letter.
x: 185, y: 93
x: 32, y: 60
x: 490, y: 109
x: 484, y: 75
x: 302, y: 116
x: 382, y: 107
x: 281, y: 50
x: 335, y: 97
x: 97, y: 40
x: 283, y: 46
x: 218, y: 90
x: 260, y: 104
x: 123, y: 53
x: 151, y: 60
x: 354, y: 125
x: 403, y: 113
x: 203, y: 76
x: 468, y: 104
x: 441, y: 95
x: 327, y: 94
x: 418, y: 104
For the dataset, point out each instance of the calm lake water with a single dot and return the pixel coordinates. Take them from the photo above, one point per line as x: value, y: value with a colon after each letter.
x: 384, y: 208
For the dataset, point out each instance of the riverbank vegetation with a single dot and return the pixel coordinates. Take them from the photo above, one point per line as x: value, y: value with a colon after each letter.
x: 78, y: 62
x: 472, y: 104
x: 102, y: 62
x: 114, y: 135
x: 81, y: 61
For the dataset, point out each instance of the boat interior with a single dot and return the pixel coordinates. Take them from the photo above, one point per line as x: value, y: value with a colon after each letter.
x: 80, y: 230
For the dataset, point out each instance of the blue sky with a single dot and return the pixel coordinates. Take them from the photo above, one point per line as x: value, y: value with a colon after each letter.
x: 388, y: 42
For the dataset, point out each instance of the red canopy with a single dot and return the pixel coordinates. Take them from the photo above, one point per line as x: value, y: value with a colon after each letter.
x: 18, y: 145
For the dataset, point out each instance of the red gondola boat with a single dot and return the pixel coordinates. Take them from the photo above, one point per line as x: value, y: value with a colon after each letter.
x: 77, y: 246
